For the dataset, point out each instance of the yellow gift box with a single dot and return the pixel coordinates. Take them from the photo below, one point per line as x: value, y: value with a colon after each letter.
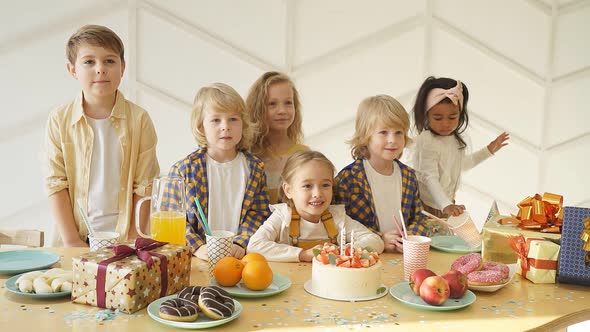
x: 128, y: 278
x: 496, y: 235
x: 537, y: 259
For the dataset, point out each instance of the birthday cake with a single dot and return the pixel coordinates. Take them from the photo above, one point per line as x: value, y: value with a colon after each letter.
x: 343, y: 275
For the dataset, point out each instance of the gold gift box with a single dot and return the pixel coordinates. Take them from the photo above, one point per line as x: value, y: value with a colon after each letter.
x: 129, y: 283
x: 496, y: 246
x: 541, y: 262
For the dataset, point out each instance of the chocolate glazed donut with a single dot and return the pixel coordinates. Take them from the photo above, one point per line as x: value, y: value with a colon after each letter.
x: 216, y: 302
x: 190, y: 293
x: 180, y: 310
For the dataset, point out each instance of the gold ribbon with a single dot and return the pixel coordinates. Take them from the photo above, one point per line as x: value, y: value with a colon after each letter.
x: 585, y: 236
x: 544, y: 213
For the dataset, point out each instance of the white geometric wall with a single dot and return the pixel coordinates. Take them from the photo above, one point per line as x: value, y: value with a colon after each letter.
x: 527, y: 65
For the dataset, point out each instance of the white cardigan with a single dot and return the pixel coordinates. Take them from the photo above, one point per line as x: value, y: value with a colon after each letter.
x: 272, y: 238
x: 438, y: 162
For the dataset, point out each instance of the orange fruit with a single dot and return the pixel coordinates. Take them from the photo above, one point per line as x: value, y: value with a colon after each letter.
x: 228, y: 271
x: 257, y: 275
x: 253, y: 256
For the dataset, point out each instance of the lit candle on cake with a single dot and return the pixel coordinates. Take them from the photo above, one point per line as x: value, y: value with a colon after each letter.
x: 342, y: 240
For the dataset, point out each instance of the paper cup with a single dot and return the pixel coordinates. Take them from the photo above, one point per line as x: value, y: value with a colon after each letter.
x: 464, y: 228
x: 102, y: 240
x: 416, y: 249
x: 218, y: 246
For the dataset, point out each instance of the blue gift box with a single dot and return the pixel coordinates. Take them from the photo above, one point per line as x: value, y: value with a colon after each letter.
x: 572, y: 268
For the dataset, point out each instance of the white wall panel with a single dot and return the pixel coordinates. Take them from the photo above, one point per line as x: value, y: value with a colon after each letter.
x: 572, y: 47
x: 567, y: 170
x: 257, y: 26
x: 172, y: 123
x: 331, y: 95
x: 567, y: 119
x: 497, y: 93
x: 321, y: 26
x: 179, y: 63
x: 520, y: 33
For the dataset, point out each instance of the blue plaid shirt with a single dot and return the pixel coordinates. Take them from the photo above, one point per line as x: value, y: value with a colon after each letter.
x: 255, y: 206
x: 353, y: 190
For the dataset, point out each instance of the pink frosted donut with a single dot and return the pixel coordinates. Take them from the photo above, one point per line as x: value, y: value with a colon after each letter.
x: 467, y: 264
x: 485, y: 278
x: 500, y: 267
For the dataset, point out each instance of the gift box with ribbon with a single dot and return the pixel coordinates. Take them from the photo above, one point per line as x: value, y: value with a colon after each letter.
x: 128, y: 278
x: 542, y: 213
x: 496, y: 234
x: 537, y: 259
x: 574, y: 261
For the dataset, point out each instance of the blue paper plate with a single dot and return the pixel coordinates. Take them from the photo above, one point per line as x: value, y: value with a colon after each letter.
x: 202, y: 322
x: 10, y: 286
x: 19, y: 261
x: 404, y: 294
x: 452, y: 243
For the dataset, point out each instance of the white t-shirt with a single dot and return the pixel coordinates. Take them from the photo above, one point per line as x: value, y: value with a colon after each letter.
x: 438, y: 163
x: 105, y: 173
x: 227, y: 184
x: 387, y: 194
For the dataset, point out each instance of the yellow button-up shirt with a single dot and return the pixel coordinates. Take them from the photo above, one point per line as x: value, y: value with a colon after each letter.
x: 68, y: 147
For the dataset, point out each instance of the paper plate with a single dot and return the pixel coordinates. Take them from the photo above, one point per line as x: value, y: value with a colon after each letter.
x: 452, y: 243
x: 202, y: 322
x: 404, y: 294
x: 307, y: 286
x: 494, y: 288
x: 10, y: 286
x: 279, y: 284
x: 19, y: 261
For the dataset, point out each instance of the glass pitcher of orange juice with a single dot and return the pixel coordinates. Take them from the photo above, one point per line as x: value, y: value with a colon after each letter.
x: 167, y: 213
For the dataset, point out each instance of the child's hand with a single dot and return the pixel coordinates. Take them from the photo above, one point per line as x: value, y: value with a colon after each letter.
x: 499, y: 142
x: 237, y: 251
x: 393, y: 242
x: 307, y: 255
x: 202, y: 253
x: 454, y: 210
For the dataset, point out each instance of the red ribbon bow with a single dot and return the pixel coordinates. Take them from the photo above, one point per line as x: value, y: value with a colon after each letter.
x: 142, y: 250
x: 521, y: 248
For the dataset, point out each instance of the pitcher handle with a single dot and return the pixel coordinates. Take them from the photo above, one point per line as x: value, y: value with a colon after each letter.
x: 137, y: 223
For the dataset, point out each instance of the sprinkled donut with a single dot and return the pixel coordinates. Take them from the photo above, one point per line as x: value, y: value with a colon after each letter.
x: 500, y: 267
x: 468, y: 263
x: 216, y: 302
x: 485, y: 278
x: 190, y: 293
x: 179, y: 310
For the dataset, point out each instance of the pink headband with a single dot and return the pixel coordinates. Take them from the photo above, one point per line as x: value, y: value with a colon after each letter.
x: 455, y: 94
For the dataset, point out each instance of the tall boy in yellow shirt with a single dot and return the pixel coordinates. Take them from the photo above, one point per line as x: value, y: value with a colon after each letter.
x: 101, y: 148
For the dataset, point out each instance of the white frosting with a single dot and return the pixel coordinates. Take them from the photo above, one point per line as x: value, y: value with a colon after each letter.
x: 331, y: 281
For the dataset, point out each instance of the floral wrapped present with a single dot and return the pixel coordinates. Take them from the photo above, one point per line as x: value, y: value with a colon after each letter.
x: 129, y: 278
x: 496, y: 235
x: 537, y: 259
x: 574, y: 261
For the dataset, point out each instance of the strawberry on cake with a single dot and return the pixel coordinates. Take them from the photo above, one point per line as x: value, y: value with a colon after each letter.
x: 351, y: 275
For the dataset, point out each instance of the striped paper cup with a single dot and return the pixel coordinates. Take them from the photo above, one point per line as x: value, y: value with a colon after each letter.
x: 464, y: 228
x: 416, y: 249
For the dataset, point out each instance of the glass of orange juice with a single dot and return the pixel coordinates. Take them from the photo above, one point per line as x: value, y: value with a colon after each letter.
x: 167, y: 212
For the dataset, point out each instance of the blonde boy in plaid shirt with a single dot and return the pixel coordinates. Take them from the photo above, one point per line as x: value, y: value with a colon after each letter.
x: 228, y: 181
x: 376, y: 186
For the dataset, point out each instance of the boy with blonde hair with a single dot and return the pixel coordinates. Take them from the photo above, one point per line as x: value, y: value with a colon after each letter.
x: 226, y: 180
x: 377, y: 186
x: 100, y: 148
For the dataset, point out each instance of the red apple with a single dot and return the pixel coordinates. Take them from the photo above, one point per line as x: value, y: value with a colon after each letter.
x: 434, y: 290
x: 457, y: 283
x: 417, y: 277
